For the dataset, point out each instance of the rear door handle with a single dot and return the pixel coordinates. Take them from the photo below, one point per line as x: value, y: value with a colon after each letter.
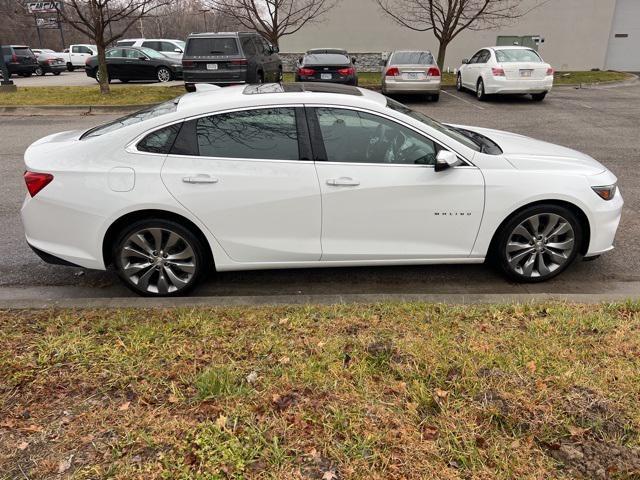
x: 343, y: 182
x: 202, y: 178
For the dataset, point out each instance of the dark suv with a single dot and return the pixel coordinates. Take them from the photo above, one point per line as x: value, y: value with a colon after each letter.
x: 19, y: 59
x: 229, y: 58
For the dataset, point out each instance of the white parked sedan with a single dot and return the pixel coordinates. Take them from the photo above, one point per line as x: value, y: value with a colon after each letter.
x: 308, y: 175
x: 506, y: 70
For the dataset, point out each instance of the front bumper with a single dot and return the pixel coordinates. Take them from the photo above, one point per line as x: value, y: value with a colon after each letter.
x: 390, y: 85
x: 502, y: 85
x: 54, y: 68
x: 604, y: 225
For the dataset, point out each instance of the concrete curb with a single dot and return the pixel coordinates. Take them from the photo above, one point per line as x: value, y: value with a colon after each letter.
x: 36, y: 110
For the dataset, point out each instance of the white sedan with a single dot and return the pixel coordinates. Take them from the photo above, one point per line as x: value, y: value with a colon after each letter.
x: 308, y: 175
x: 506, y: 70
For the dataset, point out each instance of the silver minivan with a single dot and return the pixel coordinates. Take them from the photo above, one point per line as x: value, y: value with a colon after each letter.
x: 170, y: 48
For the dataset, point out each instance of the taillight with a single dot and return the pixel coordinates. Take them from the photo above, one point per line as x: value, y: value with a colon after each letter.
x: 306, y: 71
x: 240, y: 61
x: 497, y: 72
x: 50, y: 61
x: 187, y: 63
x: 550, y: 72
x: 86, y: 60
x: 14, y: 58
x: 36, y: 181
x: 346, y: 71
x: 433, y: 72
x: 392, y: 72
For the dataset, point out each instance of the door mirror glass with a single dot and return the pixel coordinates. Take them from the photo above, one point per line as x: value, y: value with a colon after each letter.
x: 142, y: 57
x: 177, y: 50
x: 445, y: 160
x: 465, y: 61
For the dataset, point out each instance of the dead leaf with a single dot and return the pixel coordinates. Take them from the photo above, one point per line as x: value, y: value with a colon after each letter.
x: 23, y: 446
x: 221, y: 422
x: 173, y: 399
x: 252, y: 378
x: 329, y: 475
x: 124, y: 406
x: 283, y: 321
x: 532, y: 366
x: 441, y: 393
x: 430, y: 433
x: 285, y: 360
x: 576, y: 431
x: 65, y: 465
x: 32, y: 428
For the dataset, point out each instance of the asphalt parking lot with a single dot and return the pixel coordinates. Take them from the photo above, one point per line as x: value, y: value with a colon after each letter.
x: 603, y: 122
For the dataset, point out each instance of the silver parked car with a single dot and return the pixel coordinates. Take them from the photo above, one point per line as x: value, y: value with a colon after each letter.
x: 411, y: 72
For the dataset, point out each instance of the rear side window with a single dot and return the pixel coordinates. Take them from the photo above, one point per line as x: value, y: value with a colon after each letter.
x: 160, y: 141
x: 248, y: 46
x: 517, y: 55
x: 24, y: 51
x: 255, y: 134
x: 412, y: 58
x: 205, y: 47
x: 152, y: 45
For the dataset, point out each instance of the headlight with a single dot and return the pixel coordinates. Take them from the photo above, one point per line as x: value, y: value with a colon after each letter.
x: 607, y: 192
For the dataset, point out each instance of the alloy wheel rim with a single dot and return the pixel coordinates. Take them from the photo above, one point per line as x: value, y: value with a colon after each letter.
x: 540, y: 245
x: 480, y: 89
x: 164, y: 75
x: 458, y: 82
x: 157, y: 260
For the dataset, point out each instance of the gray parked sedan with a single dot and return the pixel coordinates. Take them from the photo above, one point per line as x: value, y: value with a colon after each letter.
x: 411, y: 72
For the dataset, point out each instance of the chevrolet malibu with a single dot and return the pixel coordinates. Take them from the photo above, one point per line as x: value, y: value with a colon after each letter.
x: 308, y: 175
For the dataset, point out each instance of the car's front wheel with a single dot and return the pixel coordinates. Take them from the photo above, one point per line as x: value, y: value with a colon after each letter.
x: 98, y: 76
x: 538, y: 243
x: 459, y: 82
x: 164, y: 74
x: 480, y: 93
x: 159, y: 258
x: 39, y: 71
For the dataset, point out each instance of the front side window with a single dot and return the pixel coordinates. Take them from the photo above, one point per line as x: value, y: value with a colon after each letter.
x: 517, y: 55
x: 357, y: 137
x: 132, y: 53
x: 114, y: 53
x: 255, y: 134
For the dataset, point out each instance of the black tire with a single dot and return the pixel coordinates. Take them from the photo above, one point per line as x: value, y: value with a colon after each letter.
x: 96, y: 74
x: 280, y: 75
x: 459, y: 86
x: 70, y: 67
x: 259, y: 77
x: 164, y: 75
x: 480, y: 93
x: 540, y: 251
x: 39, y: 72
x: 56, y: 73
x: 124, y: 80
x: 435, y: 97
x: 538, y: 97
x: 187, y: 240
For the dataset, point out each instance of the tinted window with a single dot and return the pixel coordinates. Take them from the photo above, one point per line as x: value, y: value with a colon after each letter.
x: 248, y: 46
x: 166, y: 47
x: 475, y: 58
x: 153, y: 45
x: 358, y: 137
x: 114, y: 53
x: 132, y: 53
x: 266, y: 133
x: 81, y: 49
x: 133, y: 118
x: 483, y: 56
x: 204, y: 47
x: 412, y: 58
x: 517, y: 55
x: 159, y: 141
x: 125, y: 43
x: 326, y: 59
x: 24, y: 51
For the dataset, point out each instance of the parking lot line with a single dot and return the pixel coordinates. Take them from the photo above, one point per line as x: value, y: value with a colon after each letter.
x: 463, y: 100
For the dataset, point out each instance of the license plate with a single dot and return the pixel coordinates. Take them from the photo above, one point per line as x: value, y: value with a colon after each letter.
x: 413, y: 76
x: 212, y: 66
x: 525, y: 73
x: 325, y: 76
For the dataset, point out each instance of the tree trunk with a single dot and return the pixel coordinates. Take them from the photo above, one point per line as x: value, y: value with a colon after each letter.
x: 442, y: 51
x: 102, y: 64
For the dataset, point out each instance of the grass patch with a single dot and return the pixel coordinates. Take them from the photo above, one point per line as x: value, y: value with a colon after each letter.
x: 576, y: 78
x: 381, y: 391
x: 120, y: 95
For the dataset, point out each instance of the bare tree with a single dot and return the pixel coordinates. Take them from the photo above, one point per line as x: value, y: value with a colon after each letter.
x: 97, y: 18
x: 273, y: 18
x: 447, y: 18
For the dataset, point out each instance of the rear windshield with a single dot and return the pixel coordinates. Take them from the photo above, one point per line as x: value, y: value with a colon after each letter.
x: 326, y: 59
x: 133, y: 118
x: 23, y: 51
x: 206, y: 47
x: 517, y: 55
x: 125, y: 43
x: 412, y: 58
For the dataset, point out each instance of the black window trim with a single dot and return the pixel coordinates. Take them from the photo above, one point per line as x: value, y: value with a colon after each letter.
x: 317, y: 140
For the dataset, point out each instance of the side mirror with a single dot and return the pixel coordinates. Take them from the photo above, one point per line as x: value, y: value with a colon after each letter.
x: 465, y: 61
x: 177, y: 50
x: 445, y: 160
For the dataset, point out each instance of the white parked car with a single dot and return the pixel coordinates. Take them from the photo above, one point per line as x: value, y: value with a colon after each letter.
x: 308, y: 175
x: 76, y: 55
x: 170, y: 48
x: 506, y: 70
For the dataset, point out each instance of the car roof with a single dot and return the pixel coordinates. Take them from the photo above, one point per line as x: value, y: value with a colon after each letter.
x: 411, y: 51
x: 326, y: 50
x: 511, y: 47
x: 217, y: 34
x: 265, y: 94
x: 149, y: 39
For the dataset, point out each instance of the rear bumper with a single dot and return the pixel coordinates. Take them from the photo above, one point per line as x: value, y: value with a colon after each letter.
x: 501, y: 85
x: 21, y: 68
x: 216, y: 77
x: 54, y: 68
x: 390, y: 85
x: 350, y: 80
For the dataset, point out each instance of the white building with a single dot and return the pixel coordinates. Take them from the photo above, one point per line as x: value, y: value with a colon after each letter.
x: 578, y: 34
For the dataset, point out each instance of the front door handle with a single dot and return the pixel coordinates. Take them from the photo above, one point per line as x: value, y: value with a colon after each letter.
x: 343, y: 182
x: 202, y: 178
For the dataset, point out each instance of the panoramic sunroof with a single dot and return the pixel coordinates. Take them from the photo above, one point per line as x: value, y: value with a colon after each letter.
x: 301, y: 87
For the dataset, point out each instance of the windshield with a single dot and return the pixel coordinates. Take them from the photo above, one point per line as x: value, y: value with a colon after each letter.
x: 133, y: 118
x: 411, y: 58
x: 152, y: 53
x: 180, y: 43
x: 450, y: 132
x: 517, y: 55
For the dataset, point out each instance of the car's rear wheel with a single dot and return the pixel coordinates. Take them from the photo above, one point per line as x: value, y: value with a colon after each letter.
x: 459, y: 82
x: 56, y: 73
x: 98, y: 76
x: 480, y: 93
x: 159, y: 258
x: 39, y: 71
x: 538, y: 97
x: 164, y: 74
x: 70, y: 67
x: 435, y: 97
x: 538, y: 243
